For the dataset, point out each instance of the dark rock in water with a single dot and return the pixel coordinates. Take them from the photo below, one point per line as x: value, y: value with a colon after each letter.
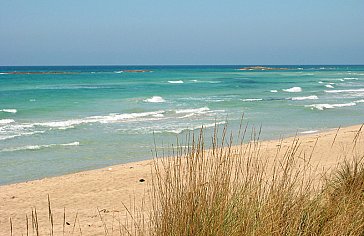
x: 137, y: 71
x: 261, y: 68
x: 142, y: 180
x: 41, y: 72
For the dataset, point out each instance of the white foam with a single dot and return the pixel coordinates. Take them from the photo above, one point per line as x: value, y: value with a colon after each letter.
x: 293, y: 90
x: 359, y: 101
x: 70, y: 144
x: 252, y: 99
x: 194, y: 80
x: 6, y: 121
x: 196, y: 110
x: 38, y: 147
x: 155, y: 99
x: 330, y: 106
x: 118, y: 72
x: 2, y: 73
x: 350, y: 78
x: 320, y: 82
x: 309, y: 132
x: 111, y: 118
x: 4, y: 137
x: 274, y: 91
x: 312, y: 97
x: 345, y: 91
x: 9, y: 129
x: 180, y: 130
x: 9, y: 110
x: 66, y: 127
x: 158, y: 115
x: 175, y: 81
x: 329, y: 86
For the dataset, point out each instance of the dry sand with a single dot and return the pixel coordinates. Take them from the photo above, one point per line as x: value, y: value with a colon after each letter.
x: 85, y: 193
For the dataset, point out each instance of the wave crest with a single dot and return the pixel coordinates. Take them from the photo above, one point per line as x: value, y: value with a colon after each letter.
x: 322, y: 107
x: 293, y: 90
x: 345, y: 91
x: 175, y: 81
x: 39, y: 147
x: 9, y: 110
x: 312, y: 97
x: 252, y: 99
x: 155, y: 99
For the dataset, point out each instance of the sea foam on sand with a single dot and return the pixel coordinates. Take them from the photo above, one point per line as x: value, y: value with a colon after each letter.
x: 6, y: 121
x: 309, y: 132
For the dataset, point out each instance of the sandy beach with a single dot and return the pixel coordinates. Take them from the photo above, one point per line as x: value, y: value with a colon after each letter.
x: 85, y: 193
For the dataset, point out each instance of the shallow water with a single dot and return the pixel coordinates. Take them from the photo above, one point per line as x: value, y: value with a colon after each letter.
x: 91, y: 117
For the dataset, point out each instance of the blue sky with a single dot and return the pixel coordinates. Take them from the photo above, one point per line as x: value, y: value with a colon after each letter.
x: 116, y: 32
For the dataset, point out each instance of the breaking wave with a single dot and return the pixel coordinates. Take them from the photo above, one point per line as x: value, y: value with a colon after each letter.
x: 293, y: 90
x: 155, y: 99
x: 39, y: 147
x: 322, y: 107
x: 9, y: 110
x: 345, y: 91
x: 194, y: 110
x: 180, y: 130
x: 175, y: 81
x: 252, y: 99
x: 312, y: 97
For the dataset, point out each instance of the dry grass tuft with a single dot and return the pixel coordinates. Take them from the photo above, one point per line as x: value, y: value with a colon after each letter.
x: 241, y: 191
x: 226, y: 190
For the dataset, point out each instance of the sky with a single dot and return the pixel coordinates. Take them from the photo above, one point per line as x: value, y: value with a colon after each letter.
x: 186, y: 32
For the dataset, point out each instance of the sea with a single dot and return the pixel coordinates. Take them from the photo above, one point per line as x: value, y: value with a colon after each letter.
x: 56, y: 120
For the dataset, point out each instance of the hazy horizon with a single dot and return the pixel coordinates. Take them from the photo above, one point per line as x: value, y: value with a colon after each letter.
x: 181, y: 33
x: 151, y: 65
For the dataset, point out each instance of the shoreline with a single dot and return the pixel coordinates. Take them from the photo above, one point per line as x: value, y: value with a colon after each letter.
x: 106, y: 188
x: 147, y: 160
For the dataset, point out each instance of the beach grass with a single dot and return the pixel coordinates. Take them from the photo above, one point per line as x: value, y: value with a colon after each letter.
x: 229, y: 191
x: 241, y: 190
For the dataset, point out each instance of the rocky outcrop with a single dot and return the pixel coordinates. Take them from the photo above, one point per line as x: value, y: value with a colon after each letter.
x: 261, y: 68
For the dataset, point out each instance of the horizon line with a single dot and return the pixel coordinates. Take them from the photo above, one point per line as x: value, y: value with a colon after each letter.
x: 76, y: 65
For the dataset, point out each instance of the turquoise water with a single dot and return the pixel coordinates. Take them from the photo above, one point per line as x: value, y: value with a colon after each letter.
x: 91, y: 117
